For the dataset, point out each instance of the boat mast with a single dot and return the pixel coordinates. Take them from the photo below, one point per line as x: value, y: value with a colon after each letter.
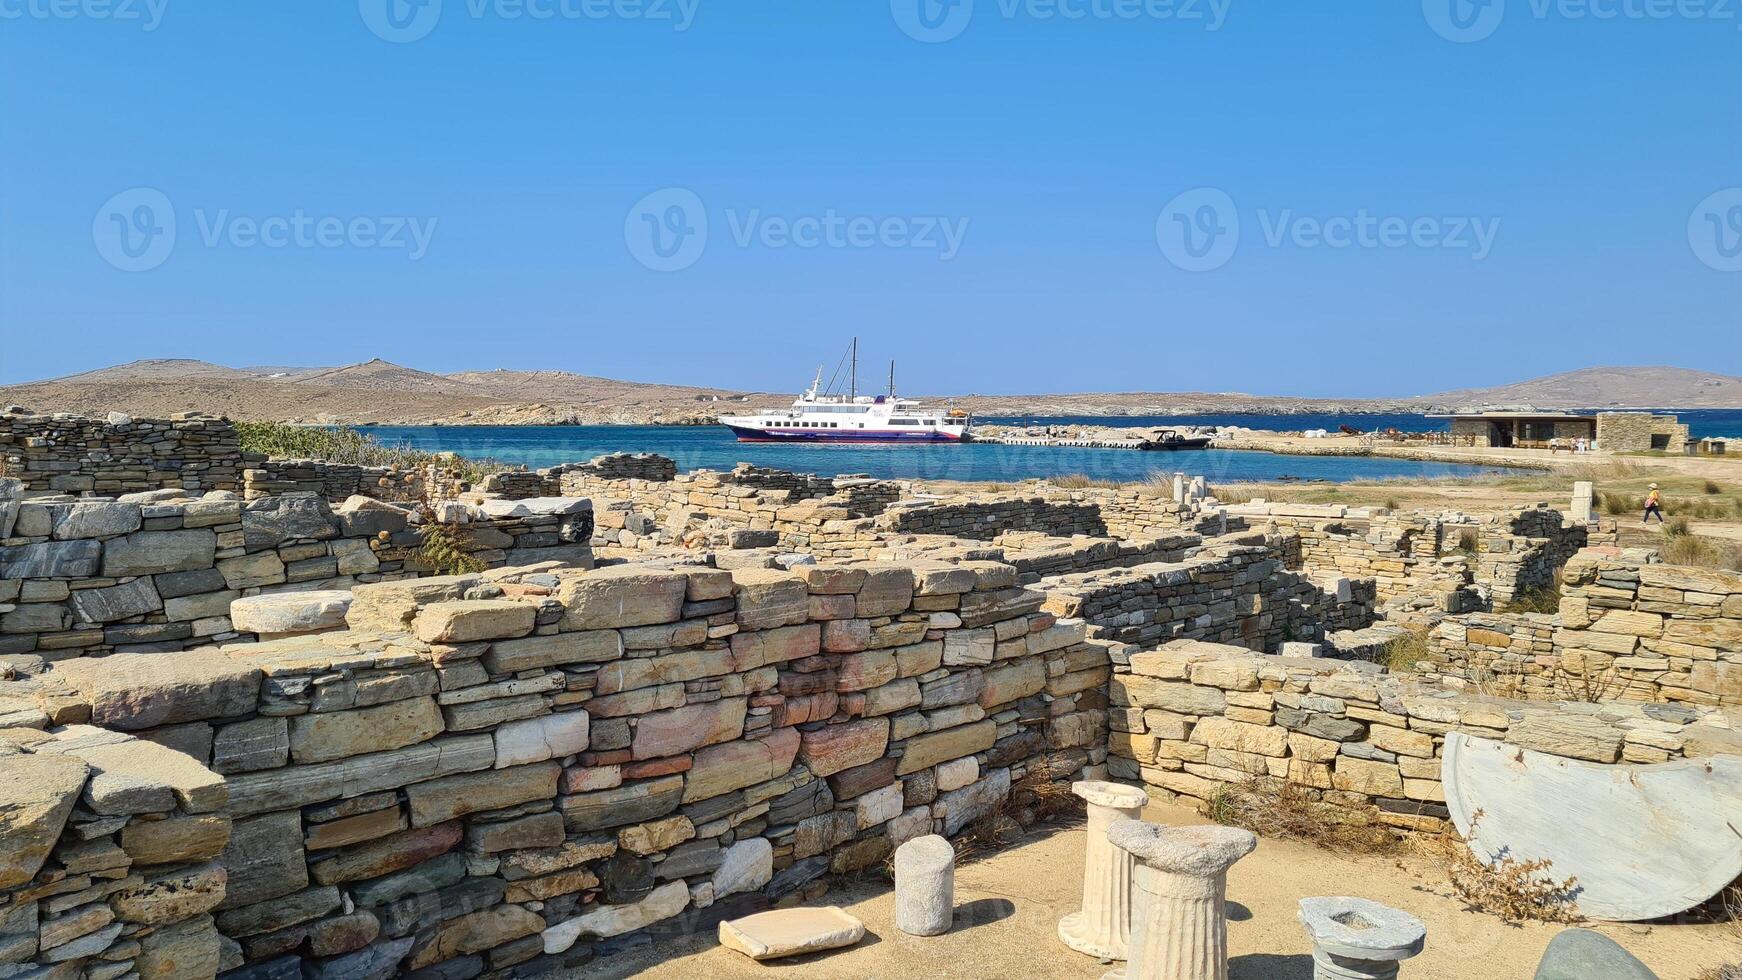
x: 853, y: 376
x: 891, y: 382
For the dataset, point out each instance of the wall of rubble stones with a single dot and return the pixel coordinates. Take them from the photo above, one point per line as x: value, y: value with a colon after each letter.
x: 515, y: 772
x: 156, y: 571
x: 1628, y: 629
x: 1430, y: 562
x: 1234, y: 590
x: 331, y: 481
x: 119, y: 454
x: 1192, y: 720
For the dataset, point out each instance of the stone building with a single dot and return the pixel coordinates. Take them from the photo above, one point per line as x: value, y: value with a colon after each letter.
x: 1633, y: 432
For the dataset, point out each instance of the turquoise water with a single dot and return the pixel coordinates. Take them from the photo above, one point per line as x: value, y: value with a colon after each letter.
x: 713, y: 447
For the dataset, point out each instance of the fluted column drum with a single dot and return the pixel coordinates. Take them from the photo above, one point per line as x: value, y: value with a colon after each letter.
x: 1102, y: 927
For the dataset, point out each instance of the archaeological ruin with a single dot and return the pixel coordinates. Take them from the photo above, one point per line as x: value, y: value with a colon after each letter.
x: 270, y: 719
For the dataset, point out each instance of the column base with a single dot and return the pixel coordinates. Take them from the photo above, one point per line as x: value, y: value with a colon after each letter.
x: 1074, y: 932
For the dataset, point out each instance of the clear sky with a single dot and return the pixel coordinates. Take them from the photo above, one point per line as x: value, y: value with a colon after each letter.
x: 1364, y: 197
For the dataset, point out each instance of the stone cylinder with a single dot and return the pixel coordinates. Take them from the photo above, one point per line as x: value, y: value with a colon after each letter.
x: 925, y: 886
x: 1183, y: 931
x: 1102, y: 927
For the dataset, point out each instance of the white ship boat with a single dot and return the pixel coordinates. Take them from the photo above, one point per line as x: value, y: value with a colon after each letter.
x: 818, y: 416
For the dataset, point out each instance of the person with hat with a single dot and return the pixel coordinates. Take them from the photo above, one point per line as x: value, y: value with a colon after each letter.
x: 1653, y: 505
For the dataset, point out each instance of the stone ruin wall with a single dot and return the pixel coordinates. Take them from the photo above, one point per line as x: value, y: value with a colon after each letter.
x: 1417, y: 558
x: 516, y: 772
x: 1192, y: 721
x: 1627, y: 630
x: 87, y: 576
x: 118, y: 454
x: 330, y: 481
x: 1234, y: 591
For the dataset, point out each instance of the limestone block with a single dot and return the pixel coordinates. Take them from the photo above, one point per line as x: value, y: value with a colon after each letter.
x: 834, y: 748
x: 130, y: 775
x: 537, y: 739
x: 199, y: 837
x: 745, y: 866
x: 614, y: 920
x: 252, y: 571
x: 775, y: 646
x: 790, y: 932
x: 926, y: 751
x: 188, y: 949
x: 442, y: 799
x: 342, y: 734
x: 171, y: 896
x: 290, y: 612
x: 679, y: 730
x: 768, y: 598
x: 878, y: 806
x: 619, y: 596
x: 553, y: 650
x: 264, y: 859
x: 38, y: 795
x: 93, y: 519
x: 885, y: 592
x: 157, y: 552
x: 259, y: 792
x: 51, y: 559
x: 720, y: 769
x: 468, y: 620
x: 135, y: 598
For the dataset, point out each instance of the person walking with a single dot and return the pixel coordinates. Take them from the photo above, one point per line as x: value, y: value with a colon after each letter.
x: 1653, y: 505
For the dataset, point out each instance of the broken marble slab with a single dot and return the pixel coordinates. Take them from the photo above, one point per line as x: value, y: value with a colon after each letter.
x: 790, y: 932
x: 1644, y: 841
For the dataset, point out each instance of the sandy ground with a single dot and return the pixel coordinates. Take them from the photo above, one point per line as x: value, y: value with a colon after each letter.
x: 1008, y: 906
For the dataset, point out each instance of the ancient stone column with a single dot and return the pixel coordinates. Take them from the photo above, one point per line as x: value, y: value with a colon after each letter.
x: 925, y: 886
x: 1182, y: 933
x: 1103, y: 925
x: 1355, y: 939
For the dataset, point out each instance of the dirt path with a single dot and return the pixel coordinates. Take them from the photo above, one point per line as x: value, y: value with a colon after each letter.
x: 1008, y: 906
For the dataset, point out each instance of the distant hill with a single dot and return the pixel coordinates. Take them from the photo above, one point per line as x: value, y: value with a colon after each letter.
x: 381, y: 392
x: 1607, y: 387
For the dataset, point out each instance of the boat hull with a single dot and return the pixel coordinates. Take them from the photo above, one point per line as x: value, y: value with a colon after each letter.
x: 861, y: 436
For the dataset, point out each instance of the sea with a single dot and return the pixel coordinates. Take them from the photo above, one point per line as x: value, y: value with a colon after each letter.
x: 713, y: 447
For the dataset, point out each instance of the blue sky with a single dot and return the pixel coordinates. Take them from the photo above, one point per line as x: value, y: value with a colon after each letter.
x: 1005, y: 198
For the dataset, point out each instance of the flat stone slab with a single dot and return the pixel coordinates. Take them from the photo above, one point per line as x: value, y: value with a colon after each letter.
x: 291, y: 612
x: 1644, y: 841
x: 790, y: 932
x: 536, y: 507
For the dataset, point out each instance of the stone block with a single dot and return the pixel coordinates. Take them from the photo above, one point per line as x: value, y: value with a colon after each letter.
x: 443, y: 799
x: 679, y: 730
x: 720, y: 769
x: 469, y: 620
x: 833, y: 748
x: 39, y: 796
x: 620, y: 596
x: 158, y: 552
x: 342, y: 734
x: 926, y: 751
x: 537, y: 739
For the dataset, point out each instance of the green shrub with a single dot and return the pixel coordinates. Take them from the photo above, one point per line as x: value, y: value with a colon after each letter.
x: 344, y: 445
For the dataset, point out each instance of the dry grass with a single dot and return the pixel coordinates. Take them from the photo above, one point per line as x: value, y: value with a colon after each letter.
x: 1285, y: 810
x: 1701, y: 552
x: 1727, y: 909
x: 1080, y: 481
x: 1404, y: 653
x: 1516, y: 891
x: 349, y: 446
x: 1544, y: 598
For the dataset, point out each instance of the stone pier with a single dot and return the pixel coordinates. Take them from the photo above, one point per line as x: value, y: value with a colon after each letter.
x: 1183, y: 931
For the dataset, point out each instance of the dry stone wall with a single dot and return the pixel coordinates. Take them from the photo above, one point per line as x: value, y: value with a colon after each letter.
x: 1237, y: 592
x: 1430, y: 562
x: 1191, y: 720
x: 1628, y: 629
x: 119, y: 454
x: 155, y: 571
x: 514, y: 772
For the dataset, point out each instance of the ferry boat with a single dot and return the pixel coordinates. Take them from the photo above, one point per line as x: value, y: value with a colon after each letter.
x: 818, y: 416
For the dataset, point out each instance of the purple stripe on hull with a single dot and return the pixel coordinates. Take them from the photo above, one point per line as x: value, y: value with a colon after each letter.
x: 837, y: 435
